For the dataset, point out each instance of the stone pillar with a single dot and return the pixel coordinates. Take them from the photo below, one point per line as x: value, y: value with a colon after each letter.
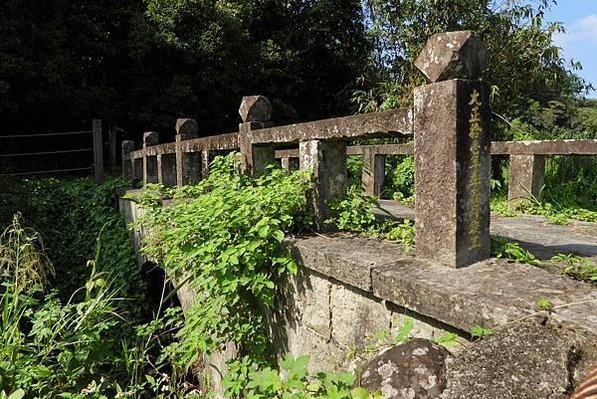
x: 452, y: 152
x: 188, y: 164
x: 128, y: 146
x: 255, y: 112
x: 205, y: 162
x: 150, y: 163
x: 327, y: 160
x: 374, y: 172
x: 167, y: 169
x: 525, y: 181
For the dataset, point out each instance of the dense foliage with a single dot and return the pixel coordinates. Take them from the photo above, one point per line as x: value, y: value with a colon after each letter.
x: 69, y: 215
x: 221, y: 240
x: 141, y: 63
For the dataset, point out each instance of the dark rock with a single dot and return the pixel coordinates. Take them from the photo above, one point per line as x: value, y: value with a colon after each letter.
x: 414, y: 370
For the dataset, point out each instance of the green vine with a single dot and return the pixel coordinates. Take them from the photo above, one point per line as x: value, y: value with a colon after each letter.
x: 223, y: 239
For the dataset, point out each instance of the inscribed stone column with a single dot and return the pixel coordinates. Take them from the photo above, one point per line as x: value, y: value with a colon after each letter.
x: 150, y: 163
x: 188, y: 164
x: 452, y: 152
x: 327, y: 160
x: 128, y: 146
x: 255, y: 112
x: 525, y: 179
x: 374, y: 171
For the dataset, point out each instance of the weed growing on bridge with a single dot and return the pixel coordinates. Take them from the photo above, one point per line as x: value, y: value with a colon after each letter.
x: 504, y: 248
x: 353, y: 213
x: 223, y: 238
x: 577, y: 267
x: 294, y: 381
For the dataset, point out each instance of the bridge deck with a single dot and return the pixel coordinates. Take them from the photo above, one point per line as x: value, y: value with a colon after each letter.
x: 532, y: 232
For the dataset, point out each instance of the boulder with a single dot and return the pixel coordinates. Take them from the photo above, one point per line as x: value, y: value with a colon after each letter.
x: 413, y: 370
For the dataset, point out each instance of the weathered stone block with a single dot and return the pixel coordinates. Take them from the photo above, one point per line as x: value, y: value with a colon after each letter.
x: 312, y: 297
x: 188, y: 164
x: 167, y: 169
x: 150, y: 163
x: 420, y: 328
x: 186, y: 127
x: 374, y: 172
x: 526, y: 360
x: 327, y: 160
x: 127, y: 165
x: 525, y: 178
x: 255, y: 109
x: 452, y: 172
x: 356, y: 318
x: 453, y: 55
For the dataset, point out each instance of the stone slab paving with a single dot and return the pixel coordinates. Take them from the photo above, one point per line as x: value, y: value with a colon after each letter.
x: 532, y: 232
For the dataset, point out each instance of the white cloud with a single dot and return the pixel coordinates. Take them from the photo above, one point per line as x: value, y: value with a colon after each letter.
x: 583, y: 29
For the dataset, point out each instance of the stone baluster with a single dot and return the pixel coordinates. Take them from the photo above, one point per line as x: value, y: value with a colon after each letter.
x: 150, y: 164
x: 188, y: 164
x: 525, y: 179
x: 255, y: 112
x: 374, y: 172
x: 327, y: 161
x: 452, y: 151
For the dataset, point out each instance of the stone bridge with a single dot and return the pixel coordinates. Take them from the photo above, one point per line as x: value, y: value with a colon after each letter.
x: 350, y: 288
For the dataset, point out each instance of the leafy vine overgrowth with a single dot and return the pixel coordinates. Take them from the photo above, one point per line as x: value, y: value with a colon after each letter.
x: 222, y: 239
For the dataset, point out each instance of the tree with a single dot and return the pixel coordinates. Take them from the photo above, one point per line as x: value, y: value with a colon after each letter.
x: 525, y: 65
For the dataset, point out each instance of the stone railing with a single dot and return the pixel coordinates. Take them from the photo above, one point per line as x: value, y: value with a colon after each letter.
x: 527, y: 162
x: 450, y: 124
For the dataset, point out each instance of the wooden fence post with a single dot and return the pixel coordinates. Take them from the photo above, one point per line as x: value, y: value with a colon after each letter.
x: 98, y: 151
x: 452, y: 151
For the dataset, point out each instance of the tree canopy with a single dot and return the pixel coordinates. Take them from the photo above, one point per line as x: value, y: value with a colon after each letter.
x: 143, y: 63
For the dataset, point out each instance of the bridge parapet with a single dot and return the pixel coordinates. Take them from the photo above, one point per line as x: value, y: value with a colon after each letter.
x: 450, y: 124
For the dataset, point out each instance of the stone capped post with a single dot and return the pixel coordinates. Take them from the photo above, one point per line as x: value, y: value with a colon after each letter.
x: 188, y: 164
x: 255, y: 112
x: 128, y: 146
x: 452, y: 151
x: 150, y: 163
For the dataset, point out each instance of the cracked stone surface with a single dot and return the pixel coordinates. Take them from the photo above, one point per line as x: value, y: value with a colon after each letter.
x: 453, y: 55
x: 413, y: 370
x: 526, y: 360
x: 255, y: 109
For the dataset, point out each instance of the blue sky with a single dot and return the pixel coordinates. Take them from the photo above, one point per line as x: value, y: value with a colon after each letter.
x: 579, y: 18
